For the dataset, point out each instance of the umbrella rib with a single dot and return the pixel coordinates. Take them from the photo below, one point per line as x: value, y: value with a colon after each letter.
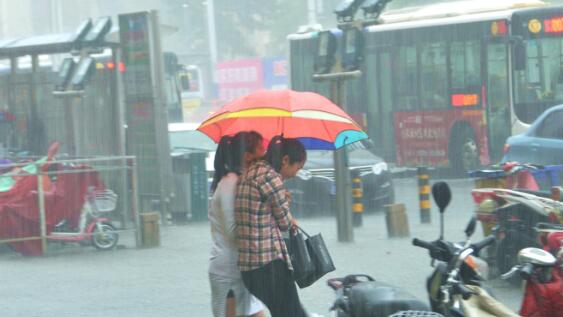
x: 327, y: 131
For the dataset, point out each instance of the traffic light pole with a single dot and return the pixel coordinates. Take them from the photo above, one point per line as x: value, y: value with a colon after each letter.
x: 342, y: 173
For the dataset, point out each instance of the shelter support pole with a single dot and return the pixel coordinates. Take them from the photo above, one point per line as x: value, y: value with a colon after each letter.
x: 135, y: 200
x: 13, y: 141
x: 42, y: 219
x: 70, y: 132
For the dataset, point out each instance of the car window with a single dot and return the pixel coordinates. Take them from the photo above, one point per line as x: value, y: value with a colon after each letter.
x: 551, y: 126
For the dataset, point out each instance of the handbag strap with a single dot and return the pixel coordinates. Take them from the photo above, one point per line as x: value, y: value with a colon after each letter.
x: 301, y: 229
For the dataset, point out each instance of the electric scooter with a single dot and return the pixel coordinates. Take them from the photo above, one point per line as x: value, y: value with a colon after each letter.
x: 456, y: 290
x: 92, y: 227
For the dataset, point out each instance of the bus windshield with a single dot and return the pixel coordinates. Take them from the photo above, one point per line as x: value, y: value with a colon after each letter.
x: 540, y: 84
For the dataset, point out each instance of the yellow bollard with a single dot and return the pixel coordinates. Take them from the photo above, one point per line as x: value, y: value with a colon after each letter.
x: 357, y: 194
x: 424, y: 194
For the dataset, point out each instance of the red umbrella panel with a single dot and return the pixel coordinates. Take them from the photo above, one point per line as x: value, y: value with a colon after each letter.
x: 309, y: 117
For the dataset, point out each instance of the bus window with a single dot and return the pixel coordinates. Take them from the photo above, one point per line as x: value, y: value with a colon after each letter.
x: 184, y: 82
x: 433, y: 83
x: 407, y: 90
x: 498, y: 98
x: 465, y: 67
x: 541, y: 82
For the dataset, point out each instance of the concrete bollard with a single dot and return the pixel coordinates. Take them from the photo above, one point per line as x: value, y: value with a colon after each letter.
x: 150, y: 229
x: 424, y: 194
x: 357, y: 205
x: 397, y: 221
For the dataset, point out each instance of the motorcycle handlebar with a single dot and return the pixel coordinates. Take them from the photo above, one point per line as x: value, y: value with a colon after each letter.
x: 526, y: 270
x: 481, y: 244
x: 423, y: 244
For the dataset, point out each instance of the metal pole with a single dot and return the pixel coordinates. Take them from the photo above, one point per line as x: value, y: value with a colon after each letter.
x: 13, y: 140
x: 341, y: 171
x: 135, y: 200
x: 312, y: 12
x: 161, y: 118
x: 212, y: 35
x: 119, y: 115
x: 69, y: 118
x: 42, y: 220
x: 342, y: 178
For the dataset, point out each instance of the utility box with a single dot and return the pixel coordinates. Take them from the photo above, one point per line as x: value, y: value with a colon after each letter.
x: 150, y: 229
x: 191, y: 187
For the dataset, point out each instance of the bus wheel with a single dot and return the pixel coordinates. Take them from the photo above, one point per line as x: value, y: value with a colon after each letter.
x: 464, y: 152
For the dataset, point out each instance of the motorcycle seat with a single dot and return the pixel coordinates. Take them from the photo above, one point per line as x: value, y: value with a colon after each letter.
x: 375, y: 299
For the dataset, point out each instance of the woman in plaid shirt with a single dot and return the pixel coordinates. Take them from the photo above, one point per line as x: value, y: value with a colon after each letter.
x: 261, y: 214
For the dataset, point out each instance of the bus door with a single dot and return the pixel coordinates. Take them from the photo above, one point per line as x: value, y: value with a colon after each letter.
x: 498, y: 101
x: 380, y: 110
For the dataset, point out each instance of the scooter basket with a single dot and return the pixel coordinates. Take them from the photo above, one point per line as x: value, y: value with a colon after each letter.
x: 104, y: 200
x: 416, y: 313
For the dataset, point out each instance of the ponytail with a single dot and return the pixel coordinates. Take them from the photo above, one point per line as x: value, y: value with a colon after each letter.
x: 230, y: 154
x: 280, y: 147
x: 223, y: 160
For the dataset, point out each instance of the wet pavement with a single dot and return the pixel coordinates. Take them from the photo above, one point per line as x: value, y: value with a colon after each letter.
x: 172, y: 280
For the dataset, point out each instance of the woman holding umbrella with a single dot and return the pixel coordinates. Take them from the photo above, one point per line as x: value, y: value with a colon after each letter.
x: 261, y: 213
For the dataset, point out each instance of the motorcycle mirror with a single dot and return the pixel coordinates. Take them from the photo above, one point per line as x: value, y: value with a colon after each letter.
x: 442, y: 195
x: 470, y: 229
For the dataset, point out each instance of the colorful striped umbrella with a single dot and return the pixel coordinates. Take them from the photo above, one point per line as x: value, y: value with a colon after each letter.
x: 313, y: 119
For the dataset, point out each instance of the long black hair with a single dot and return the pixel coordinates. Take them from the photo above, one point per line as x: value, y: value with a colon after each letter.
x: 229, y: 156
x: 280, y: 147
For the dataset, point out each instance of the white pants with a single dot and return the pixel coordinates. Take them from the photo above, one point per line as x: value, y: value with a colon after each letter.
x: 220, y: 286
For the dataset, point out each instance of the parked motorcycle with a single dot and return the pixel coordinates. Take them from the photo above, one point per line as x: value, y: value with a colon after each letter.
x: 515, y: 213
x: 456, y: 290
x: 360, y: 295
x: 92, y: 227
x: 543, y: 293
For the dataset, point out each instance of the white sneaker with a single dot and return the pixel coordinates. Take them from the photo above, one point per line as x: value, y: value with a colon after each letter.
x: 315, y: 315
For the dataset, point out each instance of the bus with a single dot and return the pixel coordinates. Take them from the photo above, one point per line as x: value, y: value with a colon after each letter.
x: 192, y: 90
x: 446, y: 84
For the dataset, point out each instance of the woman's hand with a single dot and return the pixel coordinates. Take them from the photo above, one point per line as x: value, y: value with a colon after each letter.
x: 288, y: 195
x: 294, y: 223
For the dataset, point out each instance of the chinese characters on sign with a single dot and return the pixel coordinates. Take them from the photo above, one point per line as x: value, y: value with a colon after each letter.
x: 240, y: 77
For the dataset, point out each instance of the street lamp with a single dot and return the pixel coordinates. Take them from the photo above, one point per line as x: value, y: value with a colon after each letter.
x: 347, y: 9
x: 373, y: 8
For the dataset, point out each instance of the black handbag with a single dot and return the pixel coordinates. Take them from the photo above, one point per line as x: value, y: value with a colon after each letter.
x: 320, y: 257
x: 303, y: 265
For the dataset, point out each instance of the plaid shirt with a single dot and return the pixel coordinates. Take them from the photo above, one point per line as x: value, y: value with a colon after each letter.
x: 261, y: 213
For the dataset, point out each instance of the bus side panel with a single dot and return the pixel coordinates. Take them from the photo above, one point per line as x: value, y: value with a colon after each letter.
x: 423, y: 138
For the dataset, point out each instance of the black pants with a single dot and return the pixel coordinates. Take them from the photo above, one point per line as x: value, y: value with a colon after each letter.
x: 273, y: 284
